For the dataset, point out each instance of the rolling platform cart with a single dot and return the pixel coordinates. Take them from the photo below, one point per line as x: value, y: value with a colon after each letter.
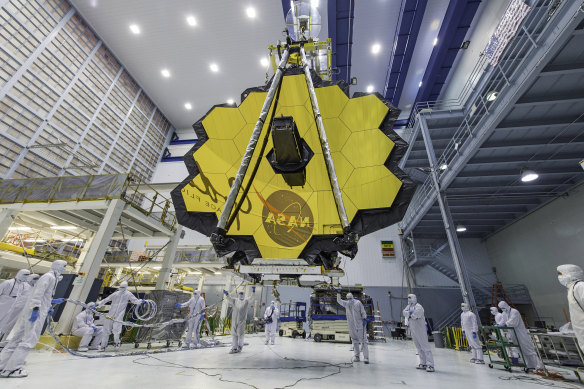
x: 501, y: 346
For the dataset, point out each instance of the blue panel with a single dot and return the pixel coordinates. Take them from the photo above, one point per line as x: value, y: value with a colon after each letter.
x: 171, y: 159
x: 457, y: 21
x: 285, y: 7
x: 183, y: 142
x: 406, y: 35
x: 340, y: 25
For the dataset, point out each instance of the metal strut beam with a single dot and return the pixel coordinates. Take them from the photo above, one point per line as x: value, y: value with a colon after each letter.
x: 326, y: 151
x: 253, y: 141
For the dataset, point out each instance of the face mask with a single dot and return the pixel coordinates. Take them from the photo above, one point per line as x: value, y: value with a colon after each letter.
x: 241, y: 297
x: 60, y: 278
x: 494, y: 312
x: 564, y: 280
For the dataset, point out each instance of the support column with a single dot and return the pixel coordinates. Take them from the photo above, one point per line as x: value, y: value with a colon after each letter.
x: 225, y: 304
x: 92, y: 263
x: 83, y: 254
x: 201, y: 283
x: 6, y: 219
x: 457, y: 256
x: 168, y: 259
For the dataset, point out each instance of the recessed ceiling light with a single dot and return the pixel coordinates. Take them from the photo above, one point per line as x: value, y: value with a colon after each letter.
x: 460, y: 228
x: 370, y: 88
x: 191, y: 20
x: 63, y: 227
x: 251, y: 12
x: 529, y: 175
x: 218, y: 273
x: 376, y: 48
x: 435, y: 41
x: 264, y: 62
x: 188, y: 106
x: 420, y: 84
x: 214, y: 67
x: 492, y: 95
x: 443, y: 166
x: 17, y: 228
x: 165, y: 73
x: 230, y: 101
x: 134, y: 28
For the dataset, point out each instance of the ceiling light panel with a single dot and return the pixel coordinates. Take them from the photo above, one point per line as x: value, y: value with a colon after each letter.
x: 135, y: 28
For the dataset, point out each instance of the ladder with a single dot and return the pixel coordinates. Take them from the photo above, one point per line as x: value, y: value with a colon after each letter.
x: 378, y: 329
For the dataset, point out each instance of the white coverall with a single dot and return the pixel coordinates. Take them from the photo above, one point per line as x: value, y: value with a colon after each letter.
x: 514, y: 320
x: 10, y: 290
x: 9, y: 319
x: 272, y: 327
x: 417, y: 323
x: 500, y: 320
x: 84, y: 326
x: 196, y: 306
x: 119, y: 300
x: 574, y: 280
x: 238, y: 318
x: 26, y: 333
x: 355, y: 316
x: 468, y: 322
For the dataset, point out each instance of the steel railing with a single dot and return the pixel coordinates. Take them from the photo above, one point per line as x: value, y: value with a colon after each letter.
x: 484, y: 79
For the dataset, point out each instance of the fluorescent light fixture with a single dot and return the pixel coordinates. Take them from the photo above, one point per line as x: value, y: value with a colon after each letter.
x: 165, y: 73
x: 315, y: 3
x: 370, y: 88
x: 230, y: 101
x: 19, y: 228
x: 214, y: 67
x: 63, y: 227
x: 435, y: 42
x: 492, y: 95
x: 443, y: 166
x: 135, y: 29
x: 251, y: 12
x: 188, y: 106
x: 460, y: 228
x: 72, y: 240
x: 529, y: 175
x: 218, y: 273
x: 191, y: 20
x: 264, y: 62
x: 34, y: 240
x: 376, y: 48
x: 420, y: 84
x: 195, y: 273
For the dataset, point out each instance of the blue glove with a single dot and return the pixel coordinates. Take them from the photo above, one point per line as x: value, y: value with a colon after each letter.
x: 34, y: 316
x: 94, y: 329
x: 474, y: 335
x: 406, y: 328
x: 463, y: 333
x: 338, y: 290
x: 225, y: 292
x: 411, y: 312
x: 364, y: 322
x: 51, y: 311
x: 143, y: 301
x: 93, y: 307
x: 177, y: 305
x: 57, y: 301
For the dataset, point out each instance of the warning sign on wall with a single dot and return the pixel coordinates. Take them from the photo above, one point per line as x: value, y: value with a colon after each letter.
x: 387, y: 249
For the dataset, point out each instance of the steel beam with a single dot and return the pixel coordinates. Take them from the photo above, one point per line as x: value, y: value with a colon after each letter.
x: 168, y: 259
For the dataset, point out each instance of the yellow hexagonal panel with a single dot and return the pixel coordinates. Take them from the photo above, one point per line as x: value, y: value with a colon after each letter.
x: 302, y: 117
x: 206, y: 193
x: 343, y: 168
x: 251, y: 106
x: 331, y: 101
x: 367, y: 148
x: 372, y: 187
x: 294, y: 91
x: 217, y: 155
x: 363, y: 113
x: 223, y: 123
x: 312, y: 139
x: 336, y: 133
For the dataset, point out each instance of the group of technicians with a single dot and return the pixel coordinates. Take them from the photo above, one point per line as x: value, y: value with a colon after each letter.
x: 26, y: 300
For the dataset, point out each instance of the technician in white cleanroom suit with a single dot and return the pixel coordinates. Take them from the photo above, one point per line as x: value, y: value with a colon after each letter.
x: 271, y: 317
x: 572, y: 277
x: 196, y: 306
x: 238, y: 318
x: 500, y: 320
x: 415, y: 319
x: 11, y: 317
x: 84, y: 326
x: 356, y: 319
x: 514, y: 320
x: 470, y: 327
x: 30, y: 323
x: 119, y: 299
x: 11, y: 289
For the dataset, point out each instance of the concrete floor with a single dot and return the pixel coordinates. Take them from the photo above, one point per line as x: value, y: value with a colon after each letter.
x: 279, y: 366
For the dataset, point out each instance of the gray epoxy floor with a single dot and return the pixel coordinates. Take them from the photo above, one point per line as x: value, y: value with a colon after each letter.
x: 280, y: 366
